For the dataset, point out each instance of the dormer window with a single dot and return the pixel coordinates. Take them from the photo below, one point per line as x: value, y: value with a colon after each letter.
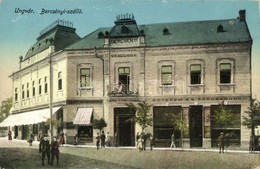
x: 166, y: 31
x: 220, y: 28
x: 124, y: 30
x: 101, y: 35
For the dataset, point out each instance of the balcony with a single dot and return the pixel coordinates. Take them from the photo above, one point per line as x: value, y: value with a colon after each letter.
x: 123, y: 90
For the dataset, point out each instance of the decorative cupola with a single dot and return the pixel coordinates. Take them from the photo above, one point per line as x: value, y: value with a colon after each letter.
x: 125, y: 26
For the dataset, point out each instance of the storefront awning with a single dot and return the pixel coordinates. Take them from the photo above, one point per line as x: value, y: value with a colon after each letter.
x: 83, y: 116
x: 31, y: 117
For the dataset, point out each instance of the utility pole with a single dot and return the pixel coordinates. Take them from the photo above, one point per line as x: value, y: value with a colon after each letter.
x: 51, y: 95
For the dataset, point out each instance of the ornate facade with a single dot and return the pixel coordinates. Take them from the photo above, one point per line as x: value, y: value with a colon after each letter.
x: 185, y: 70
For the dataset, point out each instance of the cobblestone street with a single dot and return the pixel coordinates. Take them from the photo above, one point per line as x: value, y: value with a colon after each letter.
x: 18, y: 154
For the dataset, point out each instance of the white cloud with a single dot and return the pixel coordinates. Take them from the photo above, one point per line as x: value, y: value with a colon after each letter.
x: 1, y: 1
x: 164, y: 1
x: 16, y: 19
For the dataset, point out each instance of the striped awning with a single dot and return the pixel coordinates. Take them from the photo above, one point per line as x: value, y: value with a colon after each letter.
x: 30, y: 117
x: 83, y: 116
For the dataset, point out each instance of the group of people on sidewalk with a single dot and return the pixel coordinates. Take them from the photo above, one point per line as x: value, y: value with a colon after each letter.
x: 103, y: 140
x: 51, y: 150
x: 141, y: 140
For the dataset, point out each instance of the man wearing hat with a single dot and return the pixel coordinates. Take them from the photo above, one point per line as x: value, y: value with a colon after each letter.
x: 55, y: 150
x: 44, y: 148
x: 221, y: 142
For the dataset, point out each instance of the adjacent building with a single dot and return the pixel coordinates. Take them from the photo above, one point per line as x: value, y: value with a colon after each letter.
x: 185, y: 70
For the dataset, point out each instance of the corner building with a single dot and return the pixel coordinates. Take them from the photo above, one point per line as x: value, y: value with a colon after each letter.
x: 185, y: 70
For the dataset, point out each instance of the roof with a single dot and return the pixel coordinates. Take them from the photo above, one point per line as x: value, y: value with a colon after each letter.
x: 60, y: 36
x: 178, y: 33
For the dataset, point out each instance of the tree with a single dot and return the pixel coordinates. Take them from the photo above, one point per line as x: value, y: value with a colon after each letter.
x: 99, y: 124
x: 223, y: 116
x: 5, y: 108
x: 253, y: 114
x: 183, y: 127
x: 252, y: 119
x: 143, y: 117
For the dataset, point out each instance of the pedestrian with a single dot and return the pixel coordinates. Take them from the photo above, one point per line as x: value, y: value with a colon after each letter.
x: 62, y: 141
x: 140, y: 143
x: 55, y: 151
x: 108, y: 139
x: 9, y: 135
x: 151, y: 142
x: 98, y: 141
x: 137, y: 136
x: 144, y: 138
x: 103, y: 139
x: 31, y: 138
x: 44, y: 149
x: 172, y: 141
x: 76, y: 140
x: 221, y: 142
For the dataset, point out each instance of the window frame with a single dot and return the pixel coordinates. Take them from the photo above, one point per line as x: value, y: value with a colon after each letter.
x: 45, y: 85
x: 33, y: 88
x: 195, y: 76
x: 87, y: 78
x: 23, y: 94
x: 60, y: 80
x: 15, y: 94
x: 166, y: 73
x: 40, y: 86
x: 223, y: 73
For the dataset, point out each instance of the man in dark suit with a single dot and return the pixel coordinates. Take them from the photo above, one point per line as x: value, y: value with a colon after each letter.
x: 44, y: 148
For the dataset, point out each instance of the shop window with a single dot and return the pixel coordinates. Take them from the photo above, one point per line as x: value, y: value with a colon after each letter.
x: 195, y: 74
x: 85, y: 133
x: 232, y: 130
x: 59, y: 81
x: 225, y: 73
x: 163, y: 123
x: 166, y: 75
x: 85, y: 77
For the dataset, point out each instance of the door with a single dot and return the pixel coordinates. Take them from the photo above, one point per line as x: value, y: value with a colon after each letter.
x: 124, y: 127
x: 195, y: 123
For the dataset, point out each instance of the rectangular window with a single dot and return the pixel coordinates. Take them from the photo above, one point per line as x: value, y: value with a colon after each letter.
x: 33, y: 88
x: 27, y: 91
x: 40, y: 87
x: 59, y: 81
x: 85, y: 77
x: 225, y: 73
x: 124, y: 78
x: 45, y: 85
x: 15, y: 94
x: 22, y: 91
x: 166, y: 75
x: 195, y: 74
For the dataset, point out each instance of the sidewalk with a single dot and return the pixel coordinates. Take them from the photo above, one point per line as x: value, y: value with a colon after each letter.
x: 156, y: 159
x: 36, y: 143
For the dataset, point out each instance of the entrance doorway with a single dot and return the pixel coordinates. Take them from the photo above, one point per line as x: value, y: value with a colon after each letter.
x: 124, y: 127
x: 195, y: 123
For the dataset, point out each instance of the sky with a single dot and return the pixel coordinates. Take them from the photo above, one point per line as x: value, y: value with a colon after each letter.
x: 18, y: 31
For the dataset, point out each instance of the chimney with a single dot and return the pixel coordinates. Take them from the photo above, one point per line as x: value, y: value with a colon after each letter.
x: 242, y: 15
